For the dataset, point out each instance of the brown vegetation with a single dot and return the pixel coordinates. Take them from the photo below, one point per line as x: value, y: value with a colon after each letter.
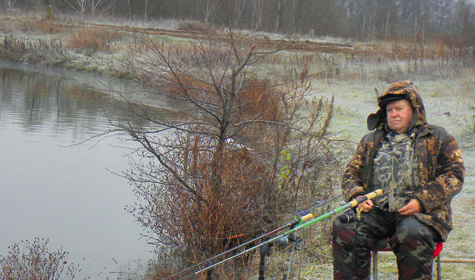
x: 218, y: 171
x: 95, y: 39
x: 31, y: 261
x: 335, y: 58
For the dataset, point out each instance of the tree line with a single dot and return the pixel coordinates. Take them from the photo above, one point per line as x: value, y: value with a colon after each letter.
x: 356, y: 19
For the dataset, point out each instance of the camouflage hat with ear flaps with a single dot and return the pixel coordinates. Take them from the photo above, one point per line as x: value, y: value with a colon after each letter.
x: 397, y: 91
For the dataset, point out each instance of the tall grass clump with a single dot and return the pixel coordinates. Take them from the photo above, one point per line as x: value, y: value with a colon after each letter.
x: 93, y: 39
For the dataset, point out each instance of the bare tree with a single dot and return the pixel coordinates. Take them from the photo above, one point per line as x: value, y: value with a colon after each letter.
x: 210, y: 10
x: 240, y: 6
x: 464, y: 23
x: 215, y: 169
x: 145, y: 12
x: 100, y: 6
x: 10, y: 3
x: 280, y: 15
x: 79, y: 6
x: 258, y: 9
x: 36, y: 3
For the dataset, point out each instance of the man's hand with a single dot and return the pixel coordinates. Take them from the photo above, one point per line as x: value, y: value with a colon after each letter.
x: 411, y: 208
x: 365, y: 206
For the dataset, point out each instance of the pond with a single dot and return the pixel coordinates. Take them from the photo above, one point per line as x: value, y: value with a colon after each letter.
x: 53, y: 184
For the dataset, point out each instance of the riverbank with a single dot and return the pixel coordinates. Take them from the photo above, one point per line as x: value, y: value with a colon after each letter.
x: 349, y: 71
x: 107, y: 48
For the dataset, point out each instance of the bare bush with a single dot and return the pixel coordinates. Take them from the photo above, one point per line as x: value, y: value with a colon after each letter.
x: 31, y: 261
x: 209, y: 177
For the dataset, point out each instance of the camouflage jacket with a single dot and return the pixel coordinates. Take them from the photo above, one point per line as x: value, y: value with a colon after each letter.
x: 440, y: 165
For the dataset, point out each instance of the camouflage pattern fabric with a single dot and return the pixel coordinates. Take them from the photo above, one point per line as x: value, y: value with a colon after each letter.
x: 440, y: 165
x: 412, y: 242
x: 395, y: 165
x: 425, y: 164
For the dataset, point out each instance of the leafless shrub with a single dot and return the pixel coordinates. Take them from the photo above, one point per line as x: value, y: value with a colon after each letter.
x: 31, y: 261
x: 211, y: 176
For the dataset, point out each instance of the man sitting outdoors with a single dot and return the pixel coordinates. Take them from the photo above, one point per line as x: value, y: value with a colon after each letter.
x: 420, y: 169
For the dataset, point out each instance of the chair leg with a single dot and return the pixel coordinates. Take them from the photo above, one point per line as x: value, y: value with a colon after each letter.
x: 439, y: 268
x: 375, y: 264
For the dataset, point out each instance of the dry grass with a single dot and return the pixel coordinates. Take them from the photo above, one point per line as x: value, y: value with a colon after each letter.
x: 33, y: 27
x: 385, y: 61
x: 193, y: 26
x: 96, y: 39
x: 42, y: 27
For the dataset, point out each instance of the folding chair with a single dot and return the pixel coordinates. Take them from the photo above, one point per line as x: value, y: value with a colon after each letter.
x: 383, y: 245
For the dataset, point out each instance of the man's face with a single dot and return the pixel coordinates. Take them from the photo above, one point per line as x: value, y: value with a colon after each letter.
x: 399, y: 115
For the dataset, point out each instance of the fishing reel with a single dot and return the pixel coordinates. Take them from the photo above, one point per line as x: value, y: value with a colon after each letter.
x: 348, y: 217
x: 284, y: 240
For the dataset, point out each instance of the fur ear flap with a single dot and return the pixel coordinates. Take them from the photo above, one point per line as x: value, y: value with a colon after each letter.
x: 374, y: 120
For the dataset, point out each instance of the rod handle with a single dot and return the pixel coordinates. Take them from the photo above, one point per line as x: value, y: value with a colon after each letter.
x: 374, y: 194
x: 368, y: 196
x: 307, y: 217
x: 301, y: 220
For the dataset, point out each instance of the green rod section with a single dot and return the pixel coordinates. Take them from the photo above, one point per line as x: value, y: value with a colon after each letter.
x: 347, y: 206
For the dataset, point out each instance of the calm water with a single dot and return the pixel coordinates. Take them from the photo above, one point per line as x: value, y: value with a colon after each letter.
x: 54, y: 189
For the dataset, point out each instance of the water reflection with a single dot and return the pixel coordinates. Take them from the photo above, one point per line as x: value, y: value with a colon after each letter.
x: 54, y: 189
x: 63, y: 102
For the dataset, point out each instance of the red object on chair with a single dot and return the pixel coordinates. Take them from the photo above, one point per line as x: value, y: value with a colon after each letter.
x: 382, y: 245
x: 438, y: 249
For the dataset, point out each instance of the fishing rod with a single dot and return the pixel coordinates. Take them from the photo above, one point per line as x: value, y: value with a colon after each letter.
x: 345, y: 207
x: 288, y: 225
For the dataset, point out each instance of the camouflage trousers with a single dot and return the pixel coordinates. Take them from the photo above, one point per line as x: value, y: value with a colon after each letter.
x: 412, y: 241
